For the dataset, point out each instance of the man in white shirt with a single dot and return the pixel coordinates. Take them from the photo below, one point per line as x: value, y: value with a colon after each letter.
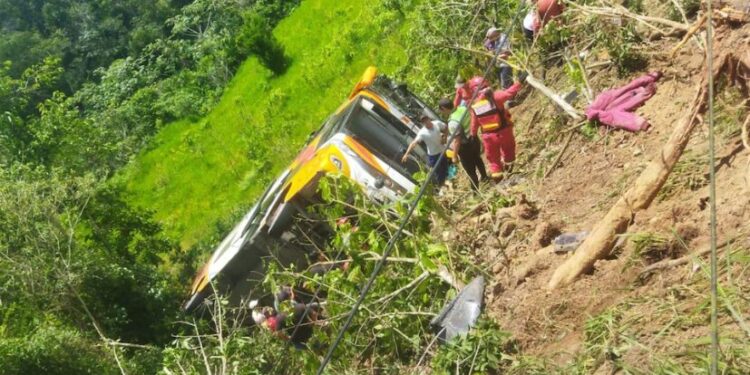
x: 530, y: 24
x: 431, y: 134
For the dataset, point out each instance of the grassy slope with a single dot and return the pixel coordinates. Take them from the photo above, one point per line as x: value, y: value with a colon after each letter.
x: 197, y: 174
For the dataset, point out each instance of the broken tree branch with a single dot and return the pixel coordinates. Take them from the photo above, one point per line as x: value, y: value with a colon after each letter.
x: 620, y: 11
x: 560, y: 155
x: 693, y: 29
x: 671, y: 263
x: 565, y: 106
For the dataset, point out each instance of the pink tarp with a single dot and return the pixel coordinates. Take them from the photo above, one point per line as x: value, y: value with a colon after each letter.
x: 613, y: 107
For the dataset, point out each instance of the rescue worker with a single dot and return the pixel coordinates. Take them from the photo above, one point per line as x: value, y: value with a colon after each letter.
x: 431, y: 134
x: 498, y: 41
x: 547, y: 10
x: 463, y: 93
x: 488, y: 113
x: 466, y: 149
x: 540, y: 13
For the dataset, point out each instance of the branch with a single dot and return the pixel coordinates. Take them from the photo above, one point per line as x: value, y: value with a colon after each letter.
x: 620, y: 11
x: 565, y: 106
x: 559, y: 156
x: 410, y: 285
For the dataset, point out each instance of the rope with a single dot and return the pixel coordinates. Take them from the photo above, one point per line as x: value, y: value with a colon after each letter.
x: 392, y: 242
x: 712, y: 192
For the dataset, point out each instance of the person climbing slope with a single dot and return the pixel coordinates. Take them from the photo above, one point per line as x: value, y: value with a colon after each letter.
x: 466, y: 149
x: 431, y: 134
x: 489, y: 114
x: 497, y: 41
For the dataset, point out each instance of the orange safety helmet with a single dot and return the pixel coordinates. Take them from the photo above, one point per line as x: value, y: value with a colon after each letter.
x: 477, y: 83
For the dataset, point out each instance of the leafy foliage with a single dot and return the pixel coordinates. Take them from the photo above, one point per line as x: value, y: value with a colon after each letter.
x: 77, y: 260
x: 486, y: 350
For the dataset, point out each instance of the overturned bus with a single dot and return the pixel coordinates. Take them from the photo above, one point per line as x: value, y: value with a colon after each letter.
x: 363, y: 140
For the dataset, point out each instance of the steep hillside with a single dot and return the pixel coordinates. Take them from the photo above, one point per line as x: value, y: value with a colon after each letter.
x: 618, y: 318
x: 614, y: 319
x: 198, y: 171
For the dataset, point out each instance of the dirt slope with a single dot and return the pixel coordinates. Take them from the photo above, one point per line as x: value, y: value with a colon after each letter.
x: 655, y: 318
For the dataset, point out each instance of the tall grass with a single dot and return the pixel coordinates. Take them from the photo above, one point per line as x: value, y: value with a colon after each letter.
x: 201, y: 172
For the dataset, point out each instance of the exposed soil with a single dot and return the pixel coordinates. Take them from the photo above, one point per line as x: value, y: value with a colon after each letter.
x: 589, y: 179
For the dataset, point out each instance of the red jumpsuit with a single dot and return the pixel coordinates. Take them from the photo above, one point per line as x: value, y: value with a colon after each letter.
x: 497, y: 128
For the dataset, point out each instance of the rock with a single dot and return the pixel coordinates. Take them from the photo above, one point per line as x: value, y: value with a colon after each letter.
x: 497, y: 268
x: 507, y: 228
x: 524, y: 209
x: 544, y: 234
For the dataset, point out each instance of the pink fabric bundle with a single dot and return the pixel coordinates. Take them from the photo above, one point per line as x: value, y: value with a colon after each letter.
x: 613, y: 107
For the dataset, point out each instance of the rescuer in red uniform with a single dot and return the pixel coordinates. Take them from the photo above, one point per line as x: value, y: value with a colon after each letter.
x: 489, y: 114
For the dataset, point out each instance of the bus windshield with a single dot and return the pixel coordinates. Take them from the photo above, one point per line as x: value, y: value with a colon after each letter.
x: 384, y: 135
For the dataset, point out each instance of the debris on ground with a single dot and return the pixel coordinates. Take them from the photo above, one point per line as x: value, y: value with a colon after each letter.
x: 460, y: 314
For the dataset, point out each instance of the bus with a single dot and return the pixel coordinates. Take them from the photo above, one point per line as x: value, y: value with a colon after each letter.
x: 364, y: 141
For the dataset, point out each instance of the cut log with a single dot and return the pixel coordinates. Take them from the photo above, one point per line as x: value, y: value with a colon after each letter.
x: 565, y: 106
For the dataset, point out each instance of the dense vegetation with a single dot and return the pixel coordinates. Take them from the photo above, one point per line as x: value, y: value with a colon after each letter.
x: 83, y: 87
x: 133, y: 134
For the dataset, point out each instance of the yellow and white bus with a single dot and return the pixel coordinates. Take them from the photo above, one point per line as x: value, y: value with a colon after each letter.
x: 363, y: 140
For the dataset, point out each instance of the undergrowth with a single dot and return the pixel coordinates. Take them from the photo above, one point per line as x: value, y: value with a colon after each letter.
x: 667, y: 333
x: 389, y: 335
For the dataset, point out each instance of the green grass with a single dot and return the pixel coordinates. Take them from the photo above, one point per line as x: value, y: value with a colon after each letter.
x: 197, y: 174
